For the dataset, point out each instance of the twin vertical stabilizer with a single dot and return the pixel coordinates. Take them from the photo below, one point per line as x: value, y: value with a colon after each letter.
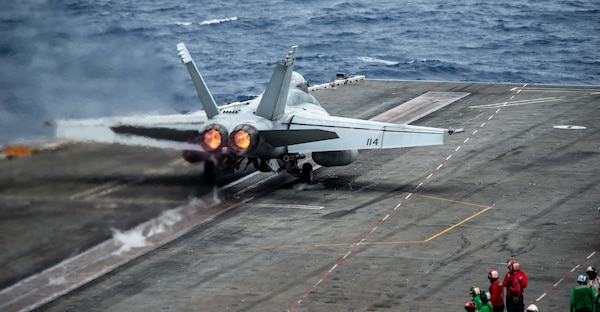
x: 206, y: 98
x: 272, y: 104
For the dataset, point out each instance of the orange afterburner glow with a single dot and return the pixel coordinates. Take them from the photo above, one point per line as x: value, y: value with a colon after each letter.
x: 241, y: 139
x: 211, y: 139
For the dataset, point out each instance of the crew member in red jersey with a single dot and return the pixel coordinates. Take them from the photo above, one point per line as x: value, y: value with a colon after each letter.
x: 497, y: 291
x: 515, y: 281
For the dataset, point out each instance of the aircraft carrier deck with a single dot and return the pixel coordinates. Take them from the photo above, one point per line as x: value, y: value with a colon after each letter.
x: 398, y: 230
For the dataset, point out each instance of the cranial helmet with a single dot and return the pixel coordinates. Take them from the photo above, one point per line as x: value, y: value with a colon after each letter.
x: 485, y: 296
x: 532, y: 308
x: 513, y: 265
x: 493, y: 274
x: 591, y: 272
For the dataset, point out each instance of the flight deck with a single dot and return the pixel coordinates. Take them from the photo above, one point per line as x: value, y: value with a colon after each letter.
x: 109, y: 227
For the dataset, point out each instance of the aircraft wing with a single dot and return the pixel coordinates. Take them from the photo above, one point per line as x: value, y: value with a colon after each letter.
x: 162, y: 131
x: 363, y: 134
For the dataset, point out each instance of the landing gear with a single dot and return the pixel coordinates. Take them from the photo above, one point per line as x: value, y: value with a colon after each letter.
x: 260, y: 165
x: 217, y: 166
x: 210, y: 172
x: 306, y: 175
x: 291, y: 166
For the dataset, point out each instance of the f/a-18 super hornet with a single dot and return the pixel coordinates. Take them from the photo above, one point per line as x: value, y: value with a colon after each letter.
x: 273, y: 132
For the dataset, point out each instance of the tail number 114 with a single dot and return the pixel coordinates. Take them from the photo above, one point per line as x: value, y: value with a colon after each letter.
x: 371, y: 142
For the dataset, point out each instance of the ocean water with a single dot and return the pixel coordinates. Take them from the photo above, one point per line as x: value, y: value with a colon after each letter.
x: 92, y: 58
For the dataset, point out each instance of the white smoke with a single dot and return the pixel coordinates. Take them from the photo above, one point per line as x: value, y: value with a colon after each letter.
x: 60, y: 279
x: 129, y: 240
x: 141, y: 236
x: 165, y: 222
x: 61, y: 61
x: 216, y: 199
x: 306, y: 186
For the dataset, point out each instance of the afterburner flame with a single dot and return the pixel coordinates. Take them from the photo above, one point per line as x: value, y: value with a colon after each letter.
x: 211, y: 139
x: 241, y: 139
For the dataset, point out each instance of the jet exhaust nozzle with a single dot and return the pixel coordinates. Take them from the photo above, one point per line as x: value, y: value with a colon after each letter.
x: 243, y: 139
x: 212, y: 137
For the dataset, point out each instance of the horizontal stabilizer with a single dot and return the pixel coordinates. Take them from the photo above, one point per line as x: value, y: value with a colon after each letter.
x: 279, y: 138
x: 364, y: 134
x: 168, y: 134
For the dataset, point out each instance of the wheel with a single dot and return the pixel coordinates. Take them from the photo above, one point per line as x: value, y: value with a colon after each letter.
x: 260, y: 166
x: 306, y: 175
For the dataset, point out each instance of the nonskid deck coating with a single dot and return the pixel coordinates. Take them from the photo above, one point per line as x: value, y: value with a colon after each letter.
x: 536, y: 178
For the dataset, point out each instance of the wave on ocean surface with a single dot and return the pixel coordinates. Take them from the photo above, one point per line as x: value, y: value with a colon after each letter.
x: 368, y: 59
x: 101, y: 58
x: 219, y: 21
x: 208, y: 22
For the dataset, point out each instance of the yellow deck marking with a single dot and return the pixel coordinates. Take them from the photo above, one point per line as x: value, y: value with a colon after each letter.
x: 316, y: 245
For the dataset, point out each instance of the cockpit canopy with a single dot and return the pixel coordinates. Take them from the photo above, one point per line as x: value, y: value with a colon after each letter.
x: 298, y: 93
x: 297, y: 81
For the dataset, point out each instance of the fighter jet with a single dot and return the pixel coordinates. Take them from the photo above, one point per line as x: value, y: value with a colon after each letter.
x: 273, y: 132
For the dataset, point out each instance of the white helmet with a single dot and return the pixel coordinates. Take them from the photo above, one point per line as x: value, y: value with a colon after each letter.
x: 532, y: 308
x: 582, y: 278
x: 485, y: 296
x: 493, y: 274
